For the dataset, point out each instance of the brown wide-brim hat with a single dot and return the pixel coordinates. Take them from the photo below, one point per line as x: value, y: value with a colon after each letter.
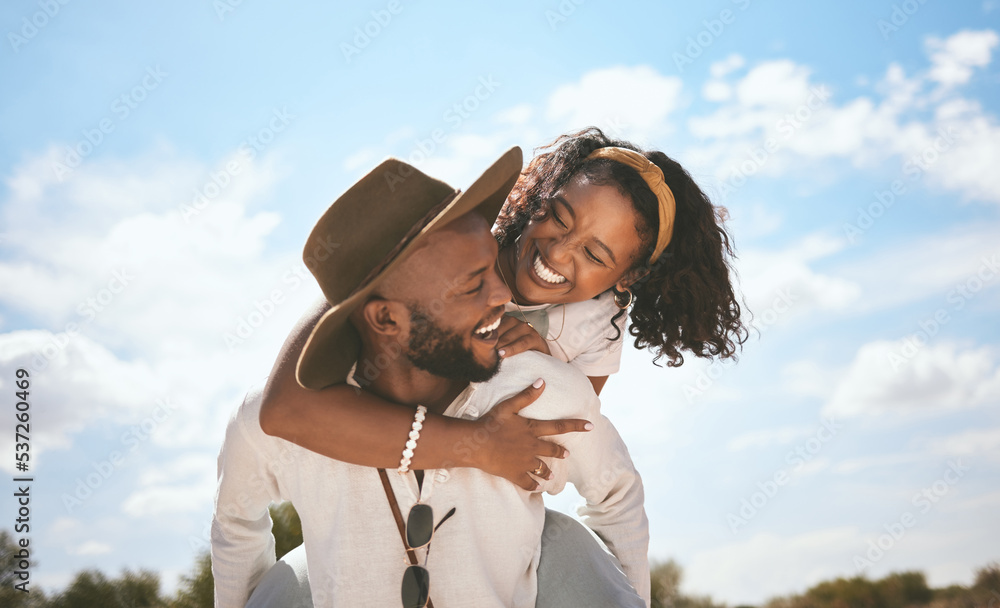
x: 368, y: 232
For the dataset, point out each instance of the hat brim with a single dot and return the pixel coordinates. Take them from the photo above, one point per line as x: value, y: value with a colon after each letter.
x: 334, y: 344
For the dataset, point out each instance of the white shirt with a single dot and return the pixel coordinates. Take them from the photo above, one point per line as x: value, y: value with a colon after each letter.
x: 581, y: 333
x: 486, y: 555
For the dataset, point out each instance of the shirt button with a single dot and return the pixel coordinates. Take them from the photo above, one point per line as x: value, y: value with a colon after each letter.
x: 442, y: 476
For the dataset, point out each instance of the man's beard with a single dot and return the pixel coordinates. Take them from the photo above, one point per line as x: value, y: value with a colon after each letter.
x: 440, y: 352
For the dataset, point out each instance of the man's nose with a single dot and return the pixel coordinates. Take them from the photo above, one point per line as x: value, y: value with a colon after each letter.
x: 499, y: 294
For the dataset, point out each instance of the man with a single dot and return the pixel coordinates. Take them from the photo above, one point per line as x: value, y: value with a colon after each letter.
x: 417, y: 301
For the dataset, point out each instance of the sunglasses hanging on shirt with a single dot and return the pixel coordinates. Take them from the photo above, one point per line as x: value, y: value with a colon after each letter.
x: 420, y: 530
x: 416, y: 533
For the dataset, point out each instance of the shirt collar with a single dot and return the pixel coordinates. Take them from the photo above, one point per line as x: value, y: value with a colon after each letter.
x: 455, y: 409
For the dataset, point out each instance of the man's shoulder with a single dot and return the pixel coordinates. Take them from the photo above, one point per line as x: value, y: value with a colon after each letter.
x: 246, y: 417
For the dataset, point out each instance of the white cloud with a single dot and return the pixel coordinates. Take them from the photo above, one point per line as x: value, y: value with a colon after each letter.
x: 969, y: 164
x: 981, y: 443
x: 93, y: 385
x: 731, y: 121
x: 765, y: 437
x: 778, y: 101
x: 989, y: 501
x: 954, y: 58
x: 808, y: 378
x: 755, y: 220
x: 778, y: 83
x: 716, y: 90
x: 636, y: 100
x: 184, y: 485
x: 768, y: 565
x: 853, y: 465
x: 902, y: 376
x: 764, y: 565
x: 91, y: 547
x: 62, y: 526
x: 360, y: 159
x: 160, y: 306
x: 733, y: 62
x: 516, y: 115
x: 838, y: 132
x: 464, y: 156
x: 930, y: 266
x: 782, y: 284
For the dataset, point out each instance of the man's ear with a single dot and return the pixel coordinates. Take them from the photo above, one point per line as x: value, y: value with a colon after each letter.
x: 385, y: 317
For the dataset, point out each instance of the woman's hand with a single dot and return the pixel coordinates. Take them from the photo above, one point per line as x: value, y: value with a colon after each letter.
x: 516, y: 336
x: 509, y: 445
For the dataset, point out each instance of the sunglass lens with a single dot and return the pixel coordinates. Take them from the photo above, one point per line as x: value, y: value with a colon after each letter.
x: 416, y: 587
x: 419, y: 525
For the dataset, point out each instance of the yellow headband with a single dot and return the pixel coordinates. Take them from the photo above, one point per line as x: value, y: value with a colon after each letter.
x: 654, y: 179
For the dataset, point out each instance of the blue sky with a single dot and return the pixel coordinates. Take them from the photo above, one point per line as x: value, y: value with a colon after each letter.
x: 162, y: 164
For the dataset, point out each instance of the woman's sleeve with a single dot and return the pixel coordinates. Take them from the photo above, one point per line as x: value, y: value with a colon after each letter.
x: 599, y: 343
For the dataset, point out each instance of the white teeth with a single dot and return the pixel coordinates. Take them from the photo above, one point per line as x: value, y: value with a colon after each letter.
x: 547, y: 274
x: 490, y: 327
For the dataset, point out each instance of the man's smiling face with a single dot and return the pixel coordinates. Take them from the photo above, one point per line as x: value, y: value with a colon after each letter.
x: 455, y: 298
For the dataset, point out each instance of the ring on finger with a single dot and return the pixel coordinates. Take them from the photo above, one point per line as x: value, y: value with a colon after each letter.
x: 537, y: 472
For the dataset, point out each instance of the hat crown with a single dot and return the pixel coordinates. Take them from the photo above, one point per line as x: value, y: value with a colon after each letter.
x: 346, y: 244
x: 389, y: 212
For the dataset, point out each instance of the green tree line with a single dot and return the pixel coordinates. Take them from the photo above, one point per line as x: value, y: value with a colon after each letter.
x: 141, y: 589
x: 93, y: 589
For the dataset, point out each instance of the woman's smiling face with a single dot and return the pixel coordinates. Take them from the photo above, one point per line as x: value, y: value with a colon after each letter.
x: 583, y: 245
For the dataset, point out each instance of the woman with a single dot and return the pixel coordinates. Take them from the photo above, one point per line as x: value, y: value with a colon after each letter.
x: 593, y: 230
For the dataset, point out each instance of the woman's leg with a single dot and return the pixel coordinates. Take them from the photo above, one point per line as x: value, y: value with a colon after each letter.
x: 575, y: 571
x: 286, y: 584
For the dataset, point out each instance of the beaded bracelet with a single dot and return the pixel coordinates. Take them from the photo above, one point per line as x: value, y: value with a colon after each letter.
x: 411, y: 444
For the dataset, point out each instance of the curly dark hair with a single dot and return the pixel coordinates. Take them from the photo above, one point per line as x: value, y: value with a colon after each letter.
x: 683, y: 301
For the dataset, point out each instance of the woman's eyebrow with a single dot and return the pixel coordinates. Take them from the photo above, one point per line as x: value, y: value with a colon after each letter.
x: 569, y: 210
x: 607, y: 249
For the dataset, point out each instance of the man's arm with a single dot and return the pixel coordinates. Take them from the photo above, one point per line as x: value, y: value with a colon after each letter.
x: 242, y: 543
x: 358, y: 427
